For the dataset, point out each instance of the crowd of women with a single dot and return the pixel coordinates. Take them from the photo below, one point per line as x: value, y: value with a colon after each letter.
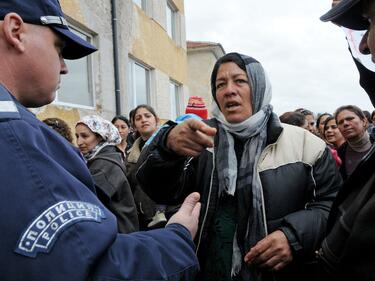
x: 349, y: 132
x: 266, y: 186
x: 111, y: 150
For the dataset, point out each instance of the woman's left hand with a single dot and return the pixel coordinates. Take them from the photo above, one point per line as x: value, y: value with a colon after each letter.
x: 272, y: 252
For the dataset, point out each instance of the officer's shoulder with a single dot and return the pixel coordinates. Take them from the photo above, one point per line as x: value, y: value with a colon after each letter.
x: 8, y: 107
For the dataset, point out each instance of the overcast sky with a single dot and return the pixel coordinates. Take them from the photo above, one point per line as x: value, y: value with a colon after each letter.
x: 307, y: 60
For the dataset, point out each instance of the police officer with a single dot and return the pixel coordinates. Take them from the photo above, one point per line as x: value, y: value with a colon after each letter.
x: 53, y: 227
x: 347, y: 252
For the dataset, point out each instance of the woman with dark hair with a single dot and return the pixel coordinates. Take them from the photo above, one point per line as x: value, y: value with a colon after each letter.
x: 352, y: 124
x: 332, y: 133
x: 97, y: 139
x: 320, y: 121
x: 123, y: 126
x: 266, y: 188
x: 145, y: 122
x: 61, y: 127
x: 309, y: 115
x: 333, y: 137
x: 294, y: 118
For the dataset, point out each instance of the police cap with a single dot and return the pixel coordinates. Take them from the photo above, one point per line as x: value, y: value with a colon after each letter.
x: 48, y: 13
x: 347, y: 13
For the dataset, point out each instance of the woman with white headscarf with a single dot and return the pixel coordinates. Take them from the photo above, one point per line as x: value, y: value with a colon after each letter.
x: 97, y: 139
x: 266, y: 187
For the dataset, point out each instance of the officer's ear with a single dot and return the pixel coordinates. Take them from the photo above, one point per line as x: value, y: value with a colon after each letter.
x: 13, y: 29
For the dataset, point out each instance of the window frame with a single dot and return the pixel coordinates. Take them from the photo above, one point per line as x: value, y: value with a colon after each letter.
x: 143, y: 4
x: 176, y: 97
x: 174, y: 16
x: 132, y: 85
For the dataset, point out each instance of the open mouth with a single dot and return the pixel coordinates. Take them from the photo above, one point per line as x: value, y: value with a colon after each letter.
x: 231, y: 105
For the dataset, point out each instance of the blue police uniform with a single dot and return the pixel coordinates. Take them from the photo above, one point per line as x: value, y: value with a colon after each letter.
x: 53, y: 227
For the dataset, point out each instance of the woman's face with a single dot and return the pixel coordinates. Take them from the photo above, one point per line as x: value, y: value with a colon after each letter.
x: 310, y: 123
x: 123, y: 128
x: 321, y: 124
x: 86, y: 139
x: 350, y: 125
x: 332, y: 133
x: 233, y: 93
x: 145, y: 123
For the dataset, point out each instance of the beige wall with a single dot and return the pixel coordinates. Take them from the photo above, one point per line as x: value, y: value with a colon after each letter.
x: 73, y: 9
x: 200, y: 65
x: 167, y: 58
x: 153, y: 46
x: 180, y: 5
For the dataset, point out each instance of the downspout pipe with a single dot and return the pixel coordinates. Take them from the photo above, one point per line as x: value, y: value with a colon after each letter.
x: 116, y: 57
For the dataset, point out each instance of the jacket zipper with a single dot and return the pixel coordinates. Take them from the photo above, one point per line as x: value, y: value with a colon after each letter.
x: 261, y: 188
x: 208, y: 202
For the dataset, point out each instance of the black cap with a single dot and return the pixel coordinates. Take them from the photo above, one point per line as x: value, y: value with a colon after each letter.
x: 48, y: 13
x: 347, y: 13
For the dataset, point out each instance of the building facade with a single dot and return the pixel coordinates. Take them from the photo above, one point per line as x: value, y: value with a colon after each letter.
x: 145, y: 62
x: 202, y: 57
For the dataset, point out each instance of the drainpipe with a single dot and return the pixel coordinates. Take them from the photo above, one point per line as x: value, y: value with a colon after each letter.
x: 115, y: 56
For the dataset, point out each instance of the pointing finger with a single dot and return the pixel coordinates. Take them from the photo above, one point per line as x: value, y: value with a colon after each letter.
x: 197, y: 125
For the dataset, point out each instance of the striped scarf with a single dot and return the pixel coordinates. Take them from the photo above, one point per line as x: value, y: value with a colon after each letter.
x: 245, y: 181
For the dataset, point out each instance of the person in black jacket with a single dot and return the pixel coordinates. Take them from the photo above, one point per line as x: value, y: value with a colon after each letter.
x: 347, y: 252
x: 353, y: 126
x: 97, y: 139
x: 266, y: 188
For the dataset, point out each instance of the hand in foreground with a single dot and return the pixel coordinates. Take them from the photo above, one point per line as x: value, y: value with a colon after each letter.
x: 190, y: 138
x: 188, y: 214
x: 272, y: 252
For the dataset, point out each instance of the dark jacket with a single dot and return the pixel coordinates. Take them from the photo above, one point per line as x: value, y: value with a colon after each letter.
x: 146, y: 207
x: 113, y: 189
x: 348, y: 251
x: 341, y: 151
x: 298, y: 175
x: 54, y: 227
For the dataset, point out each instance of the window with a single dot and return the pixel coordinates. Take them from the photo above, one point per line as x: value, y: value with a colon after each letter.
x: 77, y: 87
x: 174, y: 92
x: 140, y: 3
x: 139, y: 83
x: 171, y: 20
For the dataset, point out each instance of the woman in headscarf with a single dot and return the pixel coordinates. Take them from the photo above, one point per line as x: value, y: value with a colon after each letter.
x: 266, y: 188
x: 97, y: 139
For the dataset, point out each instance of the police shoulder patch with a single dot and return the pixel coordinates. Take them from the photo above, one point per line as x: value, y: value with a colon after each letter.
x: 41, y: 234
